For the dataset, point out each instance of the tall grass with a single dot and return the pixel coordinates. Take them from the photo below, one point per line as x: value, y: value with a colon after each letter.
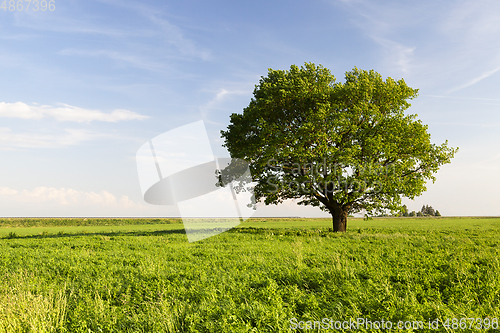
x: 28, y: 308
x: 247, y: 279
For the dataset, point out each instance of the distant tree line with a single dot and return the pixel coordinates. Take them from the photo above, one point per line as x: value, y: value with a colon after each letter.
x: 426, y: 210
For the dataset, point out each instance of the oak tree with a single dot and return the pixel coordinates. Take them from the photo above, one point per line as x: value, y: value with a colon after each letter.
x: 345, y: 147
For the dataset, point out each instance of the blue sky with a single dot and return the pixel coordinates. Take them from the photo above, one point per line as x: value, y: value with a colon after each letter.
x: 84, y: 86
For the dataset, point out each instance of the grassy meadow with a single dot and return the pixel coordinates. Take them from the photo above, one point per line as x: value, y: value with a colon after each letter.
x: 142, y: 275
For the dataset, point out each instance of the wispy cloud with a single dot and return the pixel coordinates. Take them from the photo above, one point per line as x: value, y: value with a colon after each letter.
x: 441, y: 46
x: 174, y: 36
x: 380, y: 21
x: 171, y: 33
x: 83, y: 24
x: 475, y: 80
x: 133, y: 60
x: 486, y: 125
x: 214, y: 104
x: 476, y: 21
x: 470, y: 32
x: 462, y: 97
x: 397, y: 54
x: 68, y: 137
x: 65, y: 112
x: 67, y: 197
x: 151, y: 43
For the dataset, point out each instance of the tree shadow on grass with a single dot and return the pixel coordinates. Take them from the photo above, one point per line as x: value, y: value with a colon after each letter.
x: 13, y: 235
x: 61, y: 234
x: 322, y: 232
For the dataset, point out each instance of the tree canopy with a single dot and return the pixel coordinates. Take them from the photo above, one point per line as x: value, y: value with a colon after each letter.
x: 344, y: 147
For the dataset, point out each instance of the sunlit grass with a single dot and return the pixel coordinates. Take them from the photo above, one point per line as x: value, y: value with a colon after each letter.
x: 253, y: 278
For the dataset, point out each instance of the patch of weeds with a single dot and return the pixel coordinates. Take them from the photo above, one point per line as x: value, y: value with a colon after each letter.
x: 11, y: 235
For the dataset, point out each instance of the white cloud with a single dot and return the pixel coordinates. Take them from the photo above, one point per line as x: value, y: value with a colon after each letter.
x: 67, y: 197
x: 7, y: 191
x: 18, y: 110
x: 68, y: 137
x: 65, y: 112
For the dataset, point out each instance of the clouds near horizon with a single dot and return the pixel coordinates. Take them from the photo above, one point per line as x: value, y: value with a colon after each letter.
x: 67, y: 197
x: 65, y: 112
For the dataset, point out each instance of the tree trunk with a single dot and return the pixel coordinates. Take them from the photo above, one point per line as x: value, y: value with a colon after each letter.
x: 339, y: 216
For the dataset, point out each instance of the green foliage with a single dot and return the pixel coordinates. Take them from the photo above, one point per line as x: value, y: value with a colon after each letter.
x: 251, y: 279
x: 404, y: 211
x: 342, y: 146
x: 428, y: 210
x: 11, y: 235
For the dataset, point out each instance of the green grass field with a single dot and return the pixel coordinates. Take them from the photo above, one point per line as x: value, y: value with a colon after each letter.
x: 118, y: 275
